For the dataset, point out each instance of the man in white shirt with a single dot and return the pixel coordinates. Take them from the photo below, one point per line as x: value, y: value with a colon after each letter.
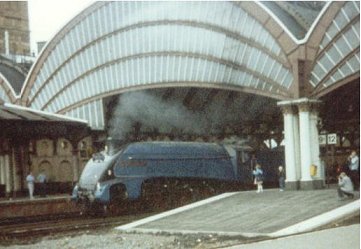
x: 30, y: 180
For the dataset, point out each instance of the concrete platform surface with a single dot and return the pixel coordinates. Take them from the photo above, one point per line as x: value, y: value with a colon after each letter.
x: 335, y: 238
x: 249, y: 213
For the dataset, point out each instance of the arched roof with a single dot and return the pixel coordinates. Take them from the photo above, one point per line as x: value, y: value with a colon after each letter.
x: 114, y: 46
x: 337, y: 36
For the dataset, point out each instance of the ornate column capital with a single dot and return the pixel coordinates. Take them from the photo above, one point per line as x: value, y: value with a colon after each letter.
x: 312, y: 107
x: 288, y: 109
x: 304, y: 104
x: 315, y: 108
x: 304, y: 107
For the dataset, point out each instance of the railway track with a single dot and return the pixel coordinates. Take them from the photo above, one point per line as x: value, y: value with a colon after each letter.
x: 27, y: 229
x: 31, y: 229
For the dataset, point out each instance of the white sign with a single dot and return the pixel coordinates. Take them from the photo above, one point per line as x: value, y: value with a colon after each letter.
x: 332, y: 138
x: 322, y: 139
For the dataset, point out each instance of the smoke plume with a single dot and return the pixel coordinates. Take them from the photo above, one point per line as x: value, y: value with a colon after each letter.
x: 169, y: 116
x: 151, y: 112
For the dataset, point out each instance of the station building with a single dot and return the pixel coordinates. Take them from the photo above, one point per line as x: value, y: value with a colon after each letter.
x: 274, y: 74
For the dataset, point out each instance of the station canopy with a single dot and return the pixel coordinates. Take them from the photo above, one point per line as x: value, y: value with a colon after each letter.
x: 17, y: 122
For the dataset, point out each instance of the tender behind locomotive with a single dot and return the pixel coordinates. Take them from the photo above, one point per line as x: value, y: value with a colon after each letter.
x: 124, y: 175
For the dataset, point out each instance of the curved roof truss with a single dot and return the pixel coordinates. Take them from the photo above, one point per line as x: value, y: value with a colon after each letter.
x: 338, y: 56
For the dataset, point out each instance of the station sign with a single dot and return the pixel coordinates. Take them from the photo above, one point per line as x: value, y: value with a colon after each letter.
x: 322, y: 139
x: 327, y: 139
x: 332, y: 138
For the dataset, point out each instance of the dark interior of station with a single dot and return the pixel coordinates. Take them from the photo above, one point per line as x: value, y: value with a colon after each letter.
x: 340, y: 111
x: 340, y: 114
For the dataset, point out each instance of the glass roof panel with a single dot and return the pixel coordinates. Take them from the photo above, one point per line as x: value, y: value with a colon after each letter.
x: 326, y: 63
x: 346, y: 70
x: 351, y: 37
x: 350, y: 9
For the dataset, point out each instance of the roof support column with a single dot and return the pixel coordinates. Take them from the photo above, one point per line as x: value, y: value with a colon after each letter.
x: 309, y: 145
x: 16, y: 169
x: 2, y: 170
x: 315, y: 144
x: 8, y: 182
x: 5, y: 174
x: 290, y: 121
x: 301, y: 144
x: 5, y: 177
x: 305, y: 144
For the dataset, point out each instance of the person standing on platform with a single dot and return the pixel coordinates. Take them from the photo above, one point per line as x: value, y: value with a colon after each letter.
x: 258, y: 178
x: 30, y: 180
x: 345, y: 186
x: 353, y: 166
x: 281, y: 178
x: 42, y: 183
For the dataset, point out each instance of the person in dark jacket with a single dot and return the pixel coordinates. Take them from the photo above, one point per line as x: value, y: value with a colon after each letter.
x: 281, y: 178
x: 42, y: 183
x: 345, y: 186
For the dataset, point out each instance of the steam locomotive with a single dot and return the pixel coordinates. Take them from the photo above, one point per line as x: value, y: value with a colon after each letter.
x: 144, y: 169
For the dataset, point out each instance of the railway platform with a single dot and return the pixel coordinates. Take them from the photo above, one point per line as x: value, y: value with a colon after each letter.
x: 250, y: 214
x: 39, y: 206
x: 247, y: 213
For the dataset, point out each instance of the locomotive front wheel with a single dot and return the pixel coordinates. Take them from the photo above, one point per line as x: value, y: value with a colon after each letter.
x: 118, y: 193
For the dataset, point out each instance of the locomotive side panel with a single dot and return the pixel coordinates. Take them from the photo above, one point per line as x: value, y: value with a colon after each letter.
x: 170, y: 160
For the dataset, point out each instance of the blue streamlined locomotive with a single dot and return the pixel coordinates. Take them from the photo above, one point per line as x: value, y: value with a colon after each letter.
x: 124, y: 175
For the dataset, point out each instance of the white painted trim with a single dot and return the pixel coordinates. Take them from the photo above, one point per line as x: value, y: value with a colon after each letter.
x: 317, y: 20
x: 319, y: 220
x: 309, y: 32
x: 298, y: 101
x: 183, y: 232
